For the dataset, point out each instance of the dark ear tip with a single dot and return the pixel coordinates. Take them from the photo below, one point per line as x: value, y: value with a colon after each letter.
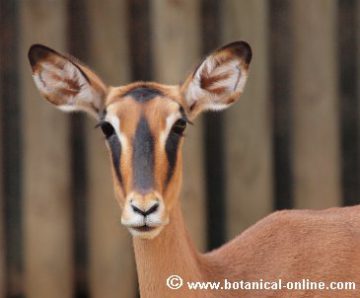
x: 38, y: 52
x: 241, y: 49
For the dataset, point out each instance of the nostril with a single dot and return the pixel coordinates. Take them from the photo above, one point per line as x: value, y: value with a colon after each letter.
x: 152, y: 209
x: 137, y: 210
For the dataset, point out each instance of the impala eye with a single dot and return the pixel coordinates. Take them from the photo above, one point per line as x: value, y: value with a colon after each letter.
x: 179, y: 127
x: 107, y: 129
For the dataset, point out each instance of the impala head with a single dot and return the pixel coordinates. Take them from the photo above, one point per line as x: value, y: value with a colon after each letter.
x: 143, y: 123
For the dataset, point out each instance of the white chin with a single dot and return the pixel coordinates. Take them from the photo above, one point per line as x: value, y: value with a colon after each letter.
x: 146, y: 235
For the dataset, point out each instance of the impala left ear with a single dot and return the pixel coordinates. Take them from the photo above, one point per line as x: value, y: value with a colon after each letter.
x: 219, y: 80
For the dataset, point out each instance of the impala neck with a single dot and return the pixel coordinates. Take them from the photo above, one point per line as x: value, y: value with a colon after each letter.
x: 172, y: 252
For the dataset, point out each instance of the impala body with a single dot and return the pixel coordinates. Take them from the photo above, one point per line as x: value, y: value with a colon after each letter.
x: 143, y: 124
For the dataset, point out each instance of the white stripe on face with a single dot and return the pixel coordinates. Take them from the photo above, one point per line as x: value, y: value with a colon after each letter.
x: 115, y: 122
x: 170, y: 120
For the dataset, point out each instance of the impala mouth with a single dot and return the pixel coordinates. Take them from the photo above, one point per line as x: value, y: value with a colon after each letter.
x: 144, y: 228
x: 145, y: 231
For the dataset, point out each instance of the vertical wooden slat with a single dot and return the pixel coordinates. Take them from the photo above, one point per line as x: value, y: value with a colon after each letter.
x: 315, y: 105
x: 280, y: 59
x: 357, y: 76
x: 357, y: 54
x: 2, y: 196
x: 248, y: 129
x: 139, y: 31
x: 2, y: 232
x: 176, y: 49
x: 214, y: 159
x: 12, y: 163
x: 47, y: 204
x: 348, y: 57
x: 112, y: 268
x: 77, y: 42
x: 2, y: 209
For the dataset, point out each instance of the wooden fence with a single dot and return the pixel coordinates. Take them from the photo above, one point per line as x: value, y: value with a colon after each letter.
x: 292, y: 141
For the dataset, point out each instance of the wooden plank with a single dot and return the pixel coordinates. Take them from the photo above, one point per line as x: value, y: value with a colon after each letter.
x: 12, y: 164
x: 315, y: 105
x: 112, y: 267
x: 77, y: 45
x: 2, y: 248
x: 248, y: 128
x: 280, y: 51
x: 176, y: 49
x: 140, y: 39
x: 2, y: 197
x: 356, y: 8
x: 349, y: 70
x: 2, y: 243
x: 47, y: 201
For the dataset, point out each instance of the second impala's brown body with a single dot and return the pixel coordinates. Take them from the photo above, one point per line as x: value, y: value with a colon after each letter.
x: 143, y: 124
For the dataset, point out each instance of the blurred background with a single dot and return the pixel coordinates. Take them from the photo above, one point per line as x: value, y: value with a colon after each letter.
x: 292, y: 141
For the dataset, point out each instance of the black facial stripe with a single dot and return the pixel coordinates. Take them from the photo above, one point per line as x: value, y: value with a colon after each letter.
x: 115, y: 147
x: 171, y: 148
x: 143, y: 156
x: 143, y: 94
x: 183, y: 114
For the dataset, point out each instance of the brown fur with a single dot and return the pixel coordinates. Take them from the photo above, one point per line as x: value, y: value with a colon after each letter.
x: 291, y: 245
x: 207, y: 81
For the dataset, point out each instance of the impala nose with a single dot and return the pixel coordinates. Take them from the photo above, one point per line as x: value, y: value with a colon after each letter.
x: 144, y: 214
x: 145, y: 211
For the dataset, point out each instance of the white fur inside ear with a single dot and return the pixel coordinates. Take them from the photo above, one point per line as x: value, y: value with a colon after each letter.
x: 68, y: 109
x: 226, y: 79
x: 235, y: 80
x: 66, y: 80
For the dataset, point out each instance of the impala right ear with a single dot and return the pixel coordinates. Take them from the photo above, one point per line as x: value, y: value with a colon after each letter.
x: 65, y: 82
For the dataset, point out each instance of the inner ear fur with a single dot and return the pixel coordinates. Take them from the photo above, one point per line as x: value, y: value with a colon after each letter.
x: 218, y: 80
x: 66, y: 82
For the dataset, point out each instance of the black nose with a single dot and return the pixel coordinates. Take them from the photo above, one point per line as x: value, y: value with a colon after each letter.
x: 147, y: 212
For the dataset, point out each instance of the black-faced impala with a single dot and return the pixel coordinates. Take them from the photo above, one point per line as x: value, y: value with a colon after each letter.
x: 143, y: 124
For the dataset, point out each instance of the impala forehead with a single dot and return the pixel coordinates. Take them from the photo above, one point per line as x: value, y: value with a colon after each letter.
x: 159, y: 112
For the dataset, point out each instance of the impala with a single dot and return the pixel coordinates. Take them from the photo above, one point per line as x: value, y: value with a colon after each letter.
x: 143, y: 124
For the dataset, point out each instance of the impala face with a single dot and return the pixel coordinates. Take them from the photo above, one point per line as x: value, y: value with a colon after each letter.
x: 143, y: 123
